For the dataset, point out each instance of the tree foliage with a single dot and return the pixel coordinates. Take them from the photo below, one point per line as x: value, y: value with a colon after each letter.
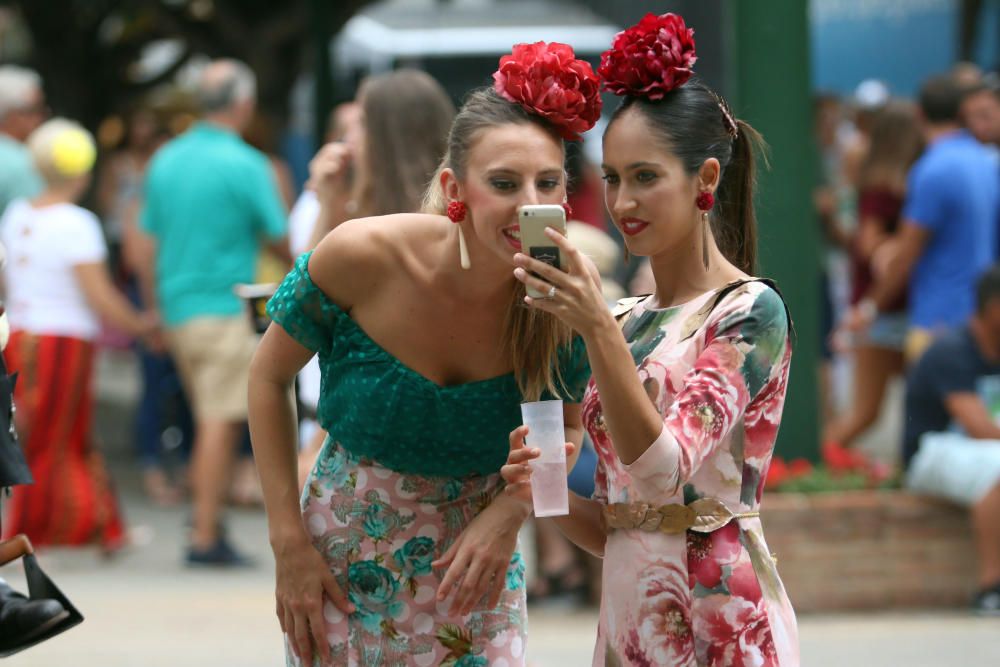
x: 86, y: 50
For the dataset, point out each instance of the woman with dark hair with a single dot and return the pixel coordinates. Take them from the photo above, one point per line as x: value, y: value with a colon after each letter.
x: 402, y: 551
x: 684, y: 407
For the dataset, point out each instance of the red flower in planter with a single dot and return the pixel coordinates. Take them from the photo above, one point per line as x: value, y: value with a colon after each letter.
x: 777, y: 473
x: 799, y: 467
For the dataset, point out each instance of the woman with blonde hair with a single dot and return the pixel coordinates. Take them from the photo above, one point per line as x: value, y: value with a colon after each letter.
x: 402, y: 550
x: 58, y: 290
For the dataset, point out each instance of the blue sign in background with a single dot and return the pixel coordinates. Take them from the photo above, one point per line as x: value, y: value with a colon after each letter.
x: 900, y: 42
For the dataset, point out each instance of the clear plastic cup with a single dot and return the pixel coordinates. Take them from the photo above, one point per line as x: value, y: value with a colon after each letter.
x: 546, y: 431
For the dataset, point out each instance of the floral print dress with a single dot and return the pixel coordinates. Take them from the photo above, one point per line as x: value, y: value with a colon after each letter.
x: 716, y: 368
x: 407, y: 465
x: 380, y: 530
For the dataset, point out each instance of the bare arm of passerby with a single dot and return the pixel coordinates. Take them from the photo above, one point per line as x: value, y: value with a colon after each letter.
x: 968, y: 411
x: 143, y: 254
x: 281, y: 249
x: 908, y: 245
x: 110, y: 304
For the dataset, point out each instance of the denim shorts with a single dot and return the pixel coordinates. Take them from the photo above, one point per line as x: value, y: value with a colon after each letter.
x: 888, y: 331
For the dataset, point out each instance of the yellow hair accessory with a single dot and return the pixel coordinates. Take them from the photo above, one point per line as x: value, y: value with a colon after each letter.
x: 73, y: 153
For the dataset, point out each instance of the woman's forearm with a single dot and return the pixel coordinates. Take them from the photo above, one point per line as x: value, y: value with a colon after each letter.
x: 631, y: 419
x: 583, y: 524
x: 273, y: 432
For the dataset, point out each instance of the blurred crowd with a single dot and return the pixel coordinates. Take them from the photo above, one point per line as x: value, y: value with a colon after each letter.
x: 142, y: 234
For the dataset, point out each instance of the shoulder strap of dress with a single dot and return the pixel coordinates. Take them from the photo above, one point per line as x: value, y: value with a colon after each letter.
x: 726, y: 290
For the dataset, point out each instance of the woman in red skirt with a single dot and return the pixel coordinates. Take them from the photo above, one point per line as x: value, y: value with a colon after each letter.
x: 58, y: 289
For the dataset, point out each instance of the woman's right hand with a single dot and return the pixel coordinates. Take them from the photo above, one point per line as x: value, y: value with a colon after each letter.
x: 329, y: 172
x: 517, y: 471
x: 303, y: 580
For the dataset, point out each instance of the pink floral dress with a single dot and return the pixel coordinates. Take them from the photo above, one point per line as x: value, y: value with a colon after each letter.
x: 716, y: 368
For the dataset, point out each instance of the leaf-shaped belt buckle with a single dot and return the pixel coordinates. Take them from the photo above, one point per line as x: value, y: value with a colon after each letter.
x: 675, y: 519
x: 702, y: 516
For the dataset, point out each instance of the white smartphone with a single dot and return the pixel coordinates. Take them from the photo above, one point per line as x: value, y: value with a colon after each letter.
x: 533, y: 219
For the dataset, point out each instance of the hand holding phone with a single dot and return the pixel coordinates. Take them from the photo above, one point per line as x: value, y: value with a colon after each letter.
x: 533, y: 219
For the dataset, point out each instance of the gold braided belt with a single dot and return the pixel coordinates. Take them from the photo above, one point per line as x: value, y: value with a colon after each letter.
x: 703, y: 516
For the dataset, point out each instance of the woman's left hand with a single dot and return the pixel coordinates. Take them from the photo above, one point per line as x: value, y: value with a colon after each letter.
x: 578, y: 300
x: 477, y: 562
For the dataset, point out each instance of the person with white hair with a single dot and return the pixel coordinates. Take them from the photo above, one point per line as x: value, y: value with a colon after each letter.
x: 22, y: 109
x: 211, y: 205
x: 58, y: 291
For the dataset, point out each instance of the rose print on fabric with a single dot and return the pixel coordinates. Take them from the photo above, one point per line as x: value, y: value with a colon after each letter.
x: 708, y: 599
x: 664, y: 632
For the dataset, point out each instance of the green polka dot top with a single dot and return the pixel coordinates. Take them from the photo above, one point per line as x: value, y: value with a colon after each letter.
x: 376, y: 407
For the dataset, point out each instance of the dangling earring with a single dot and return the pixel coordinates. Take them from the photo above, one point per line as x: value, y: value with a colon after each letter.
x: 704, y: 202
x: 456, y: 213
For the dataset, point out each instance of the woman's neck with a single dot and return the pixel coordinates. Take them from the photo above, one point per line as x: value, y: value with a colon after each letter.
x: 487, y: 279
x: 54, y: 196
x: 680, y: 274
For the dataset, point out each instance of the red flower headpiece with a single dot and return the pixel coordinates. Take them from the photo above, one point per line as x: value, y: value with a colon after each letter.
x: 649, y: 59
x: 549, y: 80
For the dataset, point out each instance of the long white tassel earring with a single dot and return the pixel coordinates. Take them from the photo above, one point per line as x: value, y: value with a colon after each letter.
x: 456, y: 213
x: 463, y: 251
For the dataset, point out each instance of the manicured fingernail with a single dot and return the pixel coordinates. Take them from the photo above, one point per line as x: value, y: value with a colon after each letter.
x: 519, y: 272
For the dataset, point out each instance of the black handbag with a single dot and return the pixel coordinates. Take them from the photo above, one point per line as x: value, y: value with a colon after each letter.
x: 14, y: 471
x: 40, y: 587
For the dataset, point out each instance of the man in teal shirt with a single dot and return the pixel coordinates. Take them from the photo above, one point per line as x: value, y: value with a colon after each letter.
x: 211, y: 205
x: 22, y: 109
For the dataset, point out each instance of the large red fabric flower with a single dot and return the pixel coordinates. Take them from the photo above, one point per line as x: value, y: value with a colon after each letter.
x: 549, y: 80
x: 649, y: 59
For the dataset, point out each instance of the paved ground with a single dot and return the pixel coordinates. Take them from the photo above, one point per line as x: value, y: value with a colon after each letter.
x: 144, y: 610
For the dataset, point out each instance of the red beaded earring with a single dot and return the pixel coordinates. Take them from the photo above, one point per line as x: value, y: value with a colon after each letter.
x: 568, y: 209
x: 705, y: 201
x: 457, y: 211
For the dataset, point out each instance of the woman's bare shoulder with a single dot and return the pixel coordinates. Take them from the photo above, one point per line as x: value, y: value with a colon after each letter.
x: 359, y: 255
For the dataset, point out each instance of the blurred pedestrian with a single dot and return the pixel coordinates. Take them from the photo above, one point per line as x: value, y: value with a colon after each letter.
x: 22, y: 109
x: 402, y: 117
x: 895, y: 143
x: 426, y: 351
x: 162, y: 405
x: 948, y: 235
x: 59, y: 289
x: 981, y: 111
x: 211, y: 205
x: 687, y: 394
x: 951, y: 443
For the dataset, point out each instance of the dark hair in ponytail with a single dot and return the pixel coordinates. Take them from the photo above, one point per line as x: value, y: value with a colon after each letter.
x: 695, y: 125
